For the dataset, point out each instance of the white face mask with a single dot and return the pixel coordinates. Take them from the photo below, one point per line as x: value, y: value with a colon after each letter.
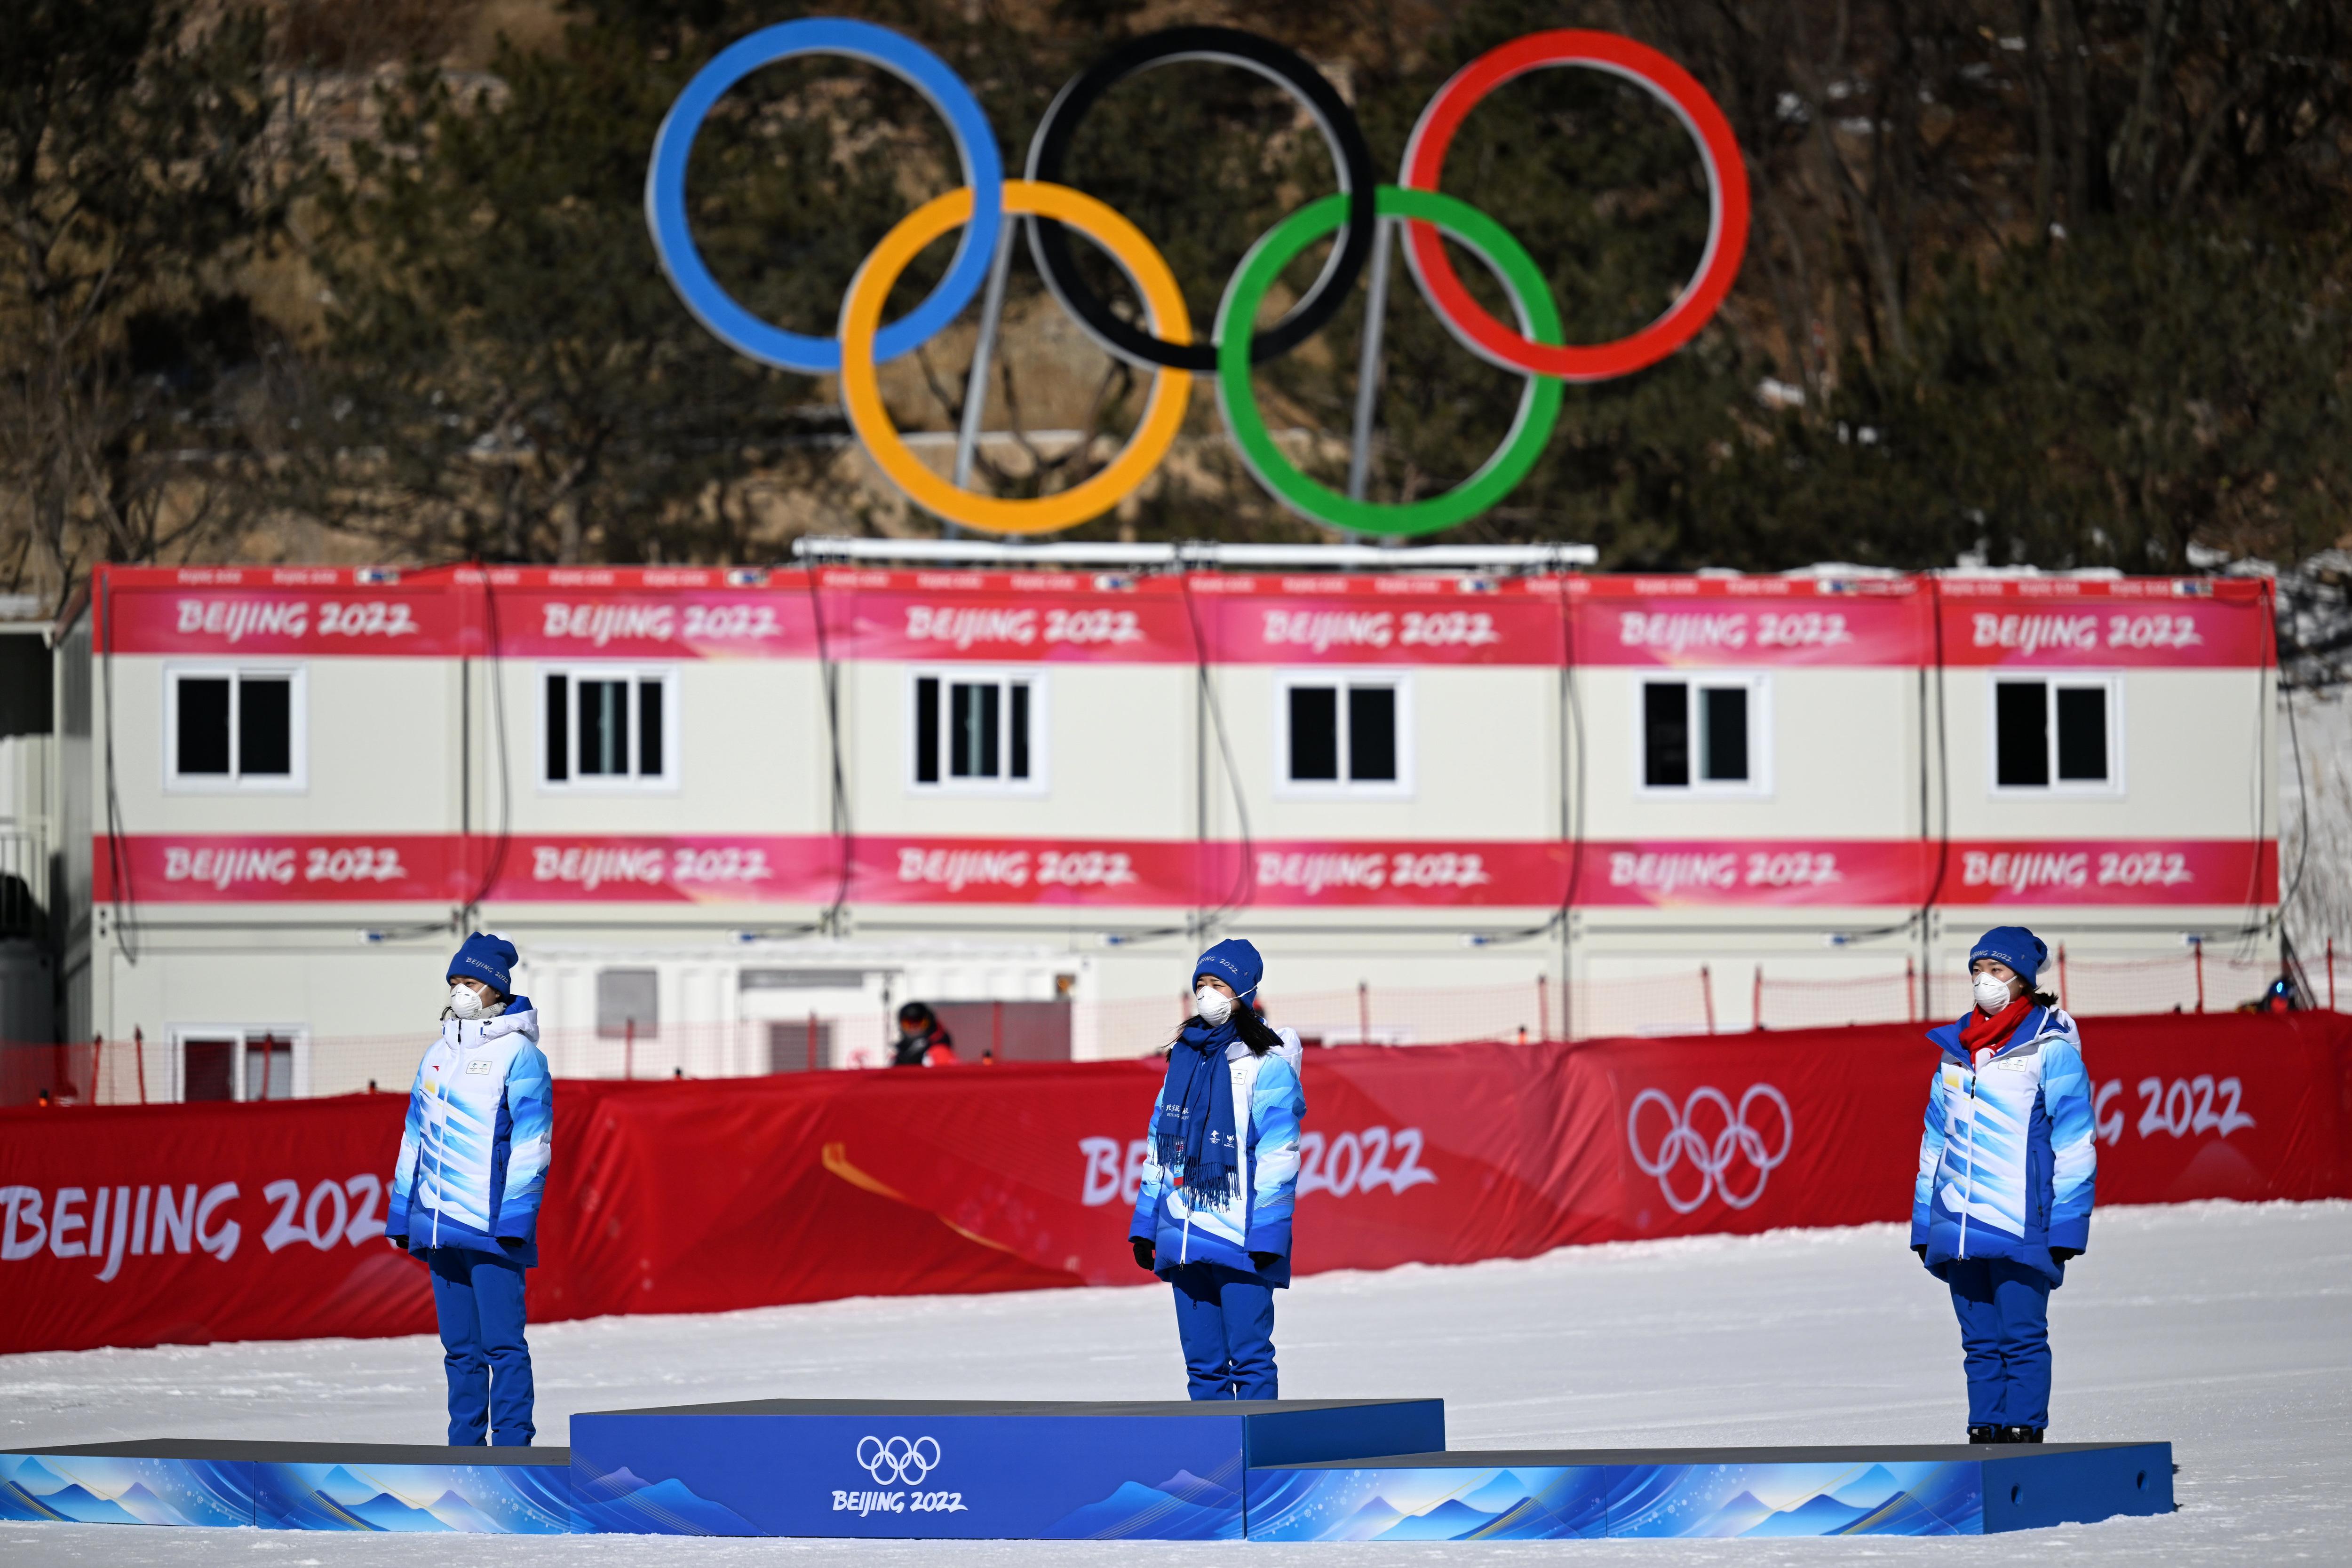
x: 1993, y: 993
x: 465, y: 1002
x: 1214, y: 1005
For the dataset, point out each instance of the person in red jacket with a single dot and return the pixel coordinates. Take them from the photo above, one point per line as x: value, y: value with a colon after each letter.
x: 923, y: 1041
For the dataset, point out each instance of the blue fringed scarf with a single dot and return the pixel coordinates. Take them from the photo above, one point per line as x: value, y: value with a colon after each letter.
x: 1196, y: 1114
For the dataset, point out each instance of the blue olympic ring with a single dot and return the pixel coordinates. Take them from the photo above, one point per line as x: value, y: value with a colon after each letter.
x: 975, y: 144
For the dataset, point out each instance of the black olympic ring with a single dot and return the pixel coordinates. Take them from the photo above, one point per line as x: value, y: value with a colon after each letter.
x: 1049, y: 242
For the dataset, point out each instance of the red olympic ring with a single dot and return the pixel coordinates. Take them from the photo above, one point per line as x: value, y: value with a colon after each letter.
x: 1726, y: 180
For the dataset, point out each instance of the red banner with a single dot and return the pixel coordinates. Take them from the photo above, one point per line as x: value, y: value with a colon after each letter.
x: 646, y: 613
x: 245, y: 611
x: 2120, y: 622
x: 2112, y: 870
x: 1678, y: 873
x: 303, y: 868
x: 1750, y: 622
x: 693, y: 612
x: 756, y: 868
x: 132, y: 1226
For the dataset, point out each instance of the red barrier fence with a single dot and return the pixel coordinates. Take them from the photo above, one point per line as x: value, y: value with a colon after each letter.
x: 172, y: 1224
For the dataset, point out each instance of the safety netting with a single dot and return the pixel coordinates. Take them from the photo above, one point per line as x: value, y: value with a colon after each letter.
x: 1693, y: 1000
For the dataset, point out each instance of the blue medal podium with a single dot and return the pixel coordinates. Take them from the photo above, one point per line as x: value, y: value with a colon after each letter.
x: 390, y: 1488
x: 1708, y: 1493
x: 1291, y: 1469
x: 1169, y: 1470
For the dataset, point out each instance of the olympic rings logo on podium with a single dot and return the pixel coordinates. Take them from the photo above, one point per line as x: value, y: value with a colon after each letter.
x: 1711, y: 1157
x: 894, y: 1461
x: 1363, y: 213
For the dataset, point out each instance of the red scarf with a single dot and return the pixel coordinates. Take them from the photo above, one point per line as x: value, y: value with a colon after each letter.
x: 1981, y: 1032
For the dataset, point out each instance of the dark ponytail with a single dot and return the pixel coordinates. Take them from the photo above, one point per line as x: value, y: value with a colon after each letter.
x: 2044, y: 1000
x: 1255, y: 1032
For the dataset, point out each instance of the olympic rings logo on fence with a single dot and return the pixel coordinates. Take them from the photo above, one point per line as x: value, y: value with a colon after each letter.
x: 896, y: 1462
x: 1712, y: 1158
x: 1363, y: 213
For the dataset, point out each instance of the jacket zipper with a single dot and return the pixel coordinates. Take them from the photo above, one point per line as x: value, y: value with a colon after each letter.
x: 1968, y: 1193
x: 441, y: 1146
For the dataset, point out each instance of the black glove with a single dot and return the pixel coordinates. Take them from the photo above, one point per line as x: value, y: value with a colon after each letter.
x: 399, y: 1241
x: 1921, y: 1249
x: 1142, y: 1246
x: 2065, y: 1254
x: 1265, y: 1261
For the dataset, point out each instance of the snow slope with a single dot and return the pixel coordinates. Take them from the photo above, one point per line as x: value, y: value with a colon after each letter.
x: 2225, y: 1328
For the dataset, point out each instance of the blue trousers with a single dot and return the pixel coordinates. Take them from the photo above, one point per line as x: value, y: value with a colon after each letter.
x: 1225, y: 1320
x: 478, y: 1301
x: 2004, y: 1311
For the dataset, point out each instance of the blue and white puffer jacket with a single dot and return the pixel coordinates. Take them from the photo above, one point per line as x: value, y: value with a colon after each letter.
x: 481, y: 1124
x: 2008, y: 1161
x: 1267, y: 1104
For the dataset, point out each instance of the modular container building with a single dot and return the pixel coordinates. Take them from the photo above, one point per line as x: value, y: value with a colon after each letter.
x: 732, y: 817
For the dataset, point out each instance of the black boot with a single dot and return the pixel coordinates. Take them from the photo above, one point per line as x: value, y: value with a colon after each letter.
x: 2020, y: 1434
x: 1984, y: 1435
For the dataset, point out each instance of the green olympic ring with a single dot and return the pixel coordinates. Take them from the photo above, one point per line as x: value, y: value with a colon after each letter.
x: 1531, y: 427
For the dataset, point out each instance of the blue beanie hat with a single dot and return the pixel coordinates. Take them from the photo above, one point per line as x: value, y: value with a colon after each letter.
x: 2014, y: 946
x: 1234, y: 961
x: 485, y: 956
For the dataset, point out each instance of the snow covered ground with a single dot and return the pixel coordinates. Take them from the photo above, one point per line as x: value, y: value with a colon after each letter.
x: 2225, y: 1328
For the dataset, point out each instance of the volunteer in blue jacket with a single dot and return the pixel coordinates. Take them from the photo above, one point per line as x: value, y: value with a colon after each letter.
x: 1213, y: 1215
x: 466, y: 1193
x: 2003, y: 1199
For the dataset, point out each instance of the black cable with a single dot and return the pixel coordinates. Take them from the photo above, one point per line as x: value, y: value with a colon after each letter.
x: 1576, y: 720
x: 1576, y: 820
x: 1245, y: 877
x: 844, y: 837
x: 2302, y: 797
x: 1943, y: 803
x: 2302, y: 807
x: 125, y: 899
x: 494, y: 664
x: 1573, y: 822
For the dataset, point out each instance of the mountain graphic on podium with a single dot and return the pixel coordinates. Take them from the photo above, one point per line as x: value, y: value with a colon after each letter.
x: 1156, y: 1513
x: 71, y: 1502
x: 627, y: 1502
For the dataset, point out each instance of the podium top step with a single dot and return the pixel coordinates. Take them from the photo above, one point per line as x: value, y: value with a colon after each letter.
x: 1834, y: 1454
x: 1124, y: 1408
x: 230, y: 1450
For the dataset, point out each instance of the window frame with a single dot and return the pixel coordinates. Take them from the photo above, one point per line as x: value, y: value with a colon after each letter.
x: 621, y: 1032
x: 240, y: 1038
x: 1343, y: 677
x: 294, y: 780
x: 1757, y: 684
x: 1039, y: 782
x: 666, y: 782
x: 2111, y: 681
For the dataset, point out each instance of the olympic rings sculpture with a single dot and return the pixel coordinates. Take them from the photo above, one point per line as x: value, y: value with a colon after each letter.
x: 1711, y: 1158
x: 893, y: 1460
x: 1363, y: 213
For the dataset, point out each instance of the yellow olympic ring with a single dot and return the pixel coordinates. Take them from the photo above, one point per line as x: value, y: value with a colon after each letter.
x: 861, y: 318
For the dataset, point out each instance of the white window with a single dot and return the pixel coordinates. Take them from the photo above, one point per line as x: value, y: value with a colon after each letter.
x: 976, y: 731
x: 628, y: 1004
x: 608, y: 726
x: 2057, y: 735
x: 1344, y: 733
x: 1703, y: 736
x: 234, y: 728
x: 242, y: 1062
